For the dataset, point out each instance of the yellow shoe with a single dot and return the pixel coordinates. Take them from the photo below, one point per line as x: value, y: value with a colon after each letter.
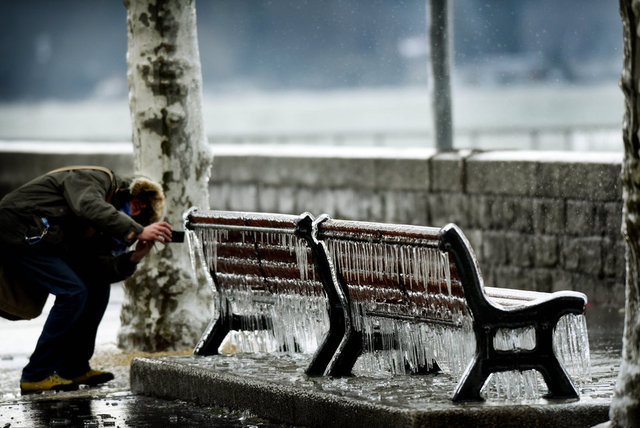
x: 93, y: 377
x: 50, y: 383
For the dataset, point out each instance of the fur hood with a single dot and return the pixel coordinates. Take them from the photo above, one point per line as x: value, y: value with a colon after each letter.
x: 153, y: 192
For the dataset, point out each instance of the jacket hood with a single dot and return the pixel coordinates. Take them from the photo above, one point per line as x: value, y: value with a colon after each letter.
x: 145, y: 188
x: 152, y: 192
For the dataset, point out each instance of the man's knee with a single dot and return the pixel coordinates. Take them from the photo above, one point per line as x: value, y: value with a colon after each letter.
x: 75, y: 294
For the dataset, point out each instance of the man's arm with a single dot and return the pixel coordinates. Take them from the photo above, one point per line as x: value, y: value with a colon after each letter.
x: 85, y: 191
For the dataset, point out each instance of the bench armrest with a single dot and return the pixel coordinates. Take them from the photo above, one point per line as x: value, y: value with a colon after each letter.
x: 510, y: 299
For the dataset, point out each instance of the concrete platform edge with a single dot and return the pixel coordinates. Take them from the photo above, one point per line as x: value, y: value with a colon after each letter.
x: 167, y: 379
x: 150, y: 376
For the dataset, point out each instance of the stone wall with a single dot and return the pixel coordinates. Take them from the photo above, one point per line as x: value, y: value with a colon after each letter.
x: 537, y: 220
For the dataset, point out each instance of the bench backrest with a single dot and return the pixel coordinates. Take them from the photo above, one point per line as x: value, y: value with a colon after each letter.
x: 397, y: 279
x: 392, y: 269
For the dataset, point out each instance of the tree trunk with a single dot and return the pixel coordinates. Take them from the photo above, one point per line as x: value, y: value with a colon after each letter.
x: 625, y: 408
x: 165, y: 306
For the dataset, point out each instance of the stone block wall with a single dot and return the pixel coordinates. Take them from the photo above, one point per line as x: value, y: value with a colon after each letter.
x: 537, y: 220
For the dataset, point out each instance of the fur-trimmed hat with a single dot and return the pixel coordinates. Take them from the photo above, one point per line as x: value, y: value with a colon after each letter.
x: 150, y: 192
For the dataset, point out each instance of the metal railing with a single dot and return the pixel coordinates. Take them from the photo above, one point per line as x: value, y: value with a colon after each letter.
x: 600, y: 137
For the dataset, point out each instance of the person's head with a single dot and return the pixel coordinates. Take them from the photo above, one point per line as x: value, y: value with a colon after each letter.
x: 145, y: 199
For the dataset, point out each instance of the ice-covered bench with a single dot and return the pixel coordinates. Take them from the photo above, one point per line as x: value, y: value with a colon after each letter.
x: 399, y: 279
x: 345, y: 289
x: 263, y: 278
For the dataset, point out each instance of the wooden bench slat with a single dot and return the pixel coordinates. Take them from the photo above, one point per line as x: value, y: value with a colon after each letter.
x: 257, y: 254
x: 243, y: 219
x: 362, y: 230
x: 230, y: 281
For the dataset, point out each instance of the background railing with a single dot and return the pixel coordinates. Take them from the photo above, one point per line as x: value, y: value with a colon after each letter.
x: 605, y: 137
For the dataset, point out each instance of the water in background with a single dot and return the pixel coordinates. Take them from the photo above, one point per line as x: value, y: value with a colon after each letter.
x: 581, y: 118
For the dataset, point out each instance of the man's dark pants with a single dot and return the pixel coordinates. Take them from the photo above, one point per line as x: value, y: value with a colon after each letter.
x: 68, y: 338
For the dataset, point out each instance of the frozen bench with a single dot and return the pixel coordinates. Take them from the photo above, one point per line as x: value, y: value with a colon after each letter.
x: 364, y: 287
x: 263, y: 278
x: 398, y: 277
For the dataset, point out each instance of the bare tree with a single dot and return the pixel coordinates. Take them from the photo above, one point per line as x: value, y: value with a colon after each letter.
x: 625, y: 408
x: 165, y: 307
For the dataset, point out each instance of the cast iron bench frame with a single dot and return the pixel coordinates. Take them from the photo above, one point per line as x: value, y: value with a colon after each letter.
x: 342, y: 344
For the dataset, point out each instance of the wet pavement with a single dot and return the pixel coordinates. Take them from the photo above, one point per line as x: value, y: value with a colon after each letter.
x: 117, y: 410
x: 109, y: 405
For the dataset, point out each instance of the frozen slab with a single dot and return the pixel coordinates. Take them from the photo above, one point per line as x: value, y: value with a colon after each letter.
x: 276, y: 388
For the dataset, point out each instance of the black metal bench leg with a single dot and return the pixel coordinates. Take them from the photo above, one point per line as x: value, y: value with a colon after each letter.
x: 555, y: 376
x: 331, y: 342
x: 219, y: 328
x: 557, y: 380
x: 472, y: 381
x: 213, y: 336
x: 346, y: 355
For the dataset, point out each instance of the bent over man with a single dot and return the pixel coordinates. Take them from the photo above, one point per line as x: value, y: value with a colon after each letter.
x: 68, y: 233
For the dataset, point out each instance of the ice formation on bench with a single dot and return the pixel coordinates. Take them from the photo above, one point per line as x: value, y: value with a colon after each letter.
x: 433, y: 323
x: 406, y: 300
x: 292, y: 298
x: 428, y: 324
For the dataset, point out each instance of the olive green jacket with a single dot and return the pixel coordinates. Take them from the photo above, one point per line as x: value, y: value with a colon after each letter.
x: 60, y: 213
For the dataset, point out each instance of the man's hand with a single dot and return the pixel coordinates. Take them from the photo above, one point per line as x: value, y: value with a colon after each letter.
x: 142, y: 249
x: 160, y: 232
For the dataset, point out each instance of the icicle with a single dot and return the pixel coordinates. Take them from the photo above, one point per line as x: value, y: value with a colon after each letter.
x: 196, y: 253
x: 513, y: 339
x: 192, y: 247
x: 447, y: 270
x: 299, y: 320
x: 571, y: 345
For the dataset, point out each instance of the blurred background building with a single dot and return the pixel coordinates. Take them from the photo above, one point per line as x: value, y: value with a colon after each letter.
x: 335, y: 71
